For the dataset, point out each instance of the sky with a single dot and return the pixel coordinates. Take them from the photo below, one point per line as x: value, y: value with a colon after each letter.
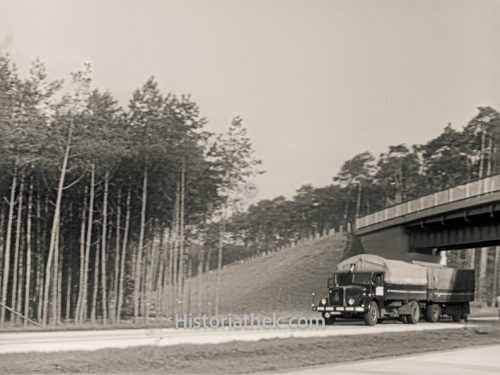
x: 316, y: 82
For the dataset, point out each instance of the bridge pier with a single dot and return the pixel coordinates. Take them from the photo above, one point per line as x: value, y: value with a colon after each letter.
x: 390, y: 243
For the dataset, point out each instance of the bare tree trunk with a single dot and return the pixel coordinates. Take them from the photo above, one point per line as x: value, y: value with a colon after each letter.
x: 81, y: 284
x: 490, y: 156
x: 142, y: 293
x: 201, y: 259
x: 399, y: 183
x: 39, y: 287
x: 181, y: 239
x: 483, y: 263
x: 122, y: 260
x: 188, y: 285
x: 55, y: 281
x: 175, y: 250
x: 162, y: 264
x: 58, y: 296
x: 88, y: 243
x: 117, y: 257
x: 40, y: 260
x: 481, y: 160
x: 138, y: 268
x: 346, y: 208
x: 219, y: 262
x: 170, y: 278
x: 103, y: 249
x: 495, y: 275
x: 358, y: 200
x: 15, y: 270
x: 164, y: 295
x: 95, y: 284
x: 152, y: 275
x: 55, y: 223
x: 149, y: 266
x: 69, y: 290
x: 20, y: 282
x: 476, y: 256
x: 207, y: 272
x: 28, y: 253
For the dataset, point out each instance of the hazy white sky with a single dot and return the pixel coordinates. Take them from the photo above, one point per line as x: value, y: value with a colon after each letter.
x: 315, y: 81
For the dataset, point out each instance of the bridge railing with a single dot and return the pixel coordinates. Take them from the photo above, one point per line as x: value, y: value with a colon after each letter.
x: 456, y: 193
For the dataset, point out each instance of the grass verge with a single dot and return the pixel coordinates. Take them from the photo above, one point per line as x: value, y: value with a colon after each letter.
x: 248, y: 357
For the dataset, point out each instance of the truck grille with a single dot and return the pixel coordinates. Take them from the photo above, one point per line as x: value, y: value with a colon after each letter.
x: 336, y: 297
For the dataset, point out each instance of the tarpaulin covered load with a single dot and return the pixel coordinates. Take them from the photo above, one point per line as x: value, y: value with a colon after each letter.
x: 443, y: 279
x: 396, y: 271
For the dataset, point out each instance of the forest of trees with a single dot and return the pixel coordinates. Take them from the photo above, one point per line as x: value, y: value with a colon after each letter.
x: 366, y: 184
x: 104, y: 209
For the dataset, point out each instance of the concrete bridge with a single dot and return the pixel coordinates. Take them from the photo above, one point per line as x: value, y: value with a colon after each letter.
x: 462, y: 217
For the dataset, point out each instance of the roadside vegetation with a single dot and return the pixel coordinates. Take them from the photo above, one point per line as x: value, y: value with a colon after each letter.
x: 248, y: 357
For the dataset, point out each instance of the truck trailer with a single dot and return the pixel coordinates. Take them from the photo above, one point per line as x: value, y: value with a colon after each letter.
x: 374, y: 288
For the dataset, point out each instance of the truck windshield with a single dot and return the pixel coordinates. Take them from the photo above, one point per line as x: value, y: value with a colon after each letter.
x: 350, y: 278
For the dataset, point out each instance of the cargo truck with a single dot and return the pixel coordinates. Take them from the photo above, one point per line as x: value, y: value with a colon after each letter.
x: 374, y: 288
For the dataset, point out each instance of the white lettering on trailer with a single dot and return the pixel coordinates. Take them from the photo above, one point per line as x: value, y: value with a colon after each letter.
x: 406, y: 291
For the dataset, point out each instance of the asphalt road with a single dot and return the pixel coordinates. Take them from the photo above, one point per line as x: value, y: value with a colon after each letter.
x: 477, y: 360
x: 122, y: 338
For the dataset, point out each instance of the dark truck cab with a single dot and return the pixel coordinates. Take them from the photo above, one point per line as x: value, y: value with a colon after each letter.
x: 373, y: 288
x: 350, y: 295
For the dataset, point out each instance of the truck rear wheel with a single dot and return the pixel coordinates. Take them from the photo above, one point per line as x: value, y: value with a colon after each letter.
x: 414, y: 316
x: 456, y: 318
x: 372, y: 315
x: 403, y: 319
x: 433, y: 313
x: 458, y: 313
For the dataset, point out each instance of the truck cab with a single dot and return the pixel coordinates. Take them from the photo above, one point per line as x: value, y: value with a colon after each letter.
x: 353, y: 295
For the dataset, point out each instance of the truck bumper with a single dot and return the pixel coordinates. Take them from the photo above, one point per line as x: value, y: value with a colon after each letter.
x: 339, y: 309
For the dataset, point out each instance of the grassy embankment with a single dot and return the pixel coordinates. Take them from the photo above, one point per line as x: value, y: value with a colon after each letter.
x: 279, y: 282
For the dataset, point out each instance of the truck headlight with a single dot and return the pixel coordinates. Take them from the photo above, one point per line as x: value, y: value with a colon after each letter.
x: 323, y: 301
x: 350, y: 301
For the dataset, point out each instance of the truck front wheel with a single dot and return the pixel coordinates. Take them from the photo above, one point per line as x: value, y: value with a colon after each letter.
x: 414, y: 316
x: 329, y: 320
x: 372, y: 315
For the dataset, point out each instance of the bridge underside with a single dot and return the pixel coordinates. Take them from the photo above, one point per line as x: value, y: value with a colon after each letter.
x: 448, y: 233
x: 422, y: 237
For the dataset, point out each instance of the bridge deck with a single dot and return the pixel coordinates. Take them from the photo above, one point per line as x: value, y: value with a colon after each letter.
x: 458, y: 193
